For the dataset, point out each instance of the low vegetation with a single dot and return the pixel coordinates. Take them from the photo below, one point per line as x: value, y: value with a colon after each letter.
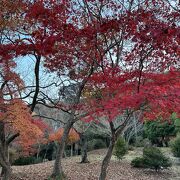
x: 120, y: 148
x: 152, y: 158
x: 175, y: 146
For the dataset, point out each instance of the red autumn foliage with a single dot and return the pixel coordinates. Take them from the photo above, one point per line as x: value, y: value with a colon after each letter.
x: 119, y: 53
x: 136, y: 76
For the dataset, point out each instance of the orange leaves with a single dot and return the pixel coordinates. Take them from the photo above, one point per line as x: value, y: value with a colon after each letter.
x: 72, y: 137
x: 41, y: 125
x: 19, y: 120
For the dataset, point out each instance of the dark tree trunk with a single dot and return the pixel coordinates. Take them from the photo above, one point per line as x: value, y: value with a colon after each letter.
x: 4, y: 161
x: 108, y: 156
x: 106, y: 160
x: 71, y: 149
x: 6, y: 172
x: 58, y: 170
x: 115, y: 132
x: 84, y: 158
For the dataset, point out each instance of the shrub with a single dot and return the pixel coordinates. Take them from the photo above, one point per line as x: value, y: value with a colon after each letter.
x: 130, y: 148
x: 139, y: 141
x: 12, y: 155
x: 175, y: 146
x: 120, y: 148
x: 152, y: 158
x: 138, y: 162
x: 27, y: 160
x: 96, y: 144
x: 158, y: 131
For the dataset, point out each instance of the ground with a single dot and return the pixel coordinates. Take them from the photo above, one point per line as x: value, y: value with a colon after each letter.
x: 118, y: 170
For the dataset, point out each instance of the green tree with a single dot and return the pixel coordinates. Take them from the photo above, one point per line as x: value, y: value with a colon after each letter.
x: 175, y: 146
x: 158, y: 132
x: 176, y: 121
x: 152, y: 158
x: 120, y: 148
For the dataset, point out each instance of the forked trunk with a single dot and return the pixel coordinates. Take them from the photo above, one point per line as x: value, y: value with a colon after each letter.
x: 58, y: 170
x: 106, y: 160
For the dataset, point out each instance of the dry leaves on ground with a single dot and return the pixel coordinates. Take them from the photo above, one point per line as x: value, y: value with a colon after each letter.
x: 89, y: 171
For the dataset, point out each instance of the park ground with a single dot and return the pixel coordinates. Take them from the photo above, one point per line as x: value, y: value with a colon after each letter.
x: 118, y: 170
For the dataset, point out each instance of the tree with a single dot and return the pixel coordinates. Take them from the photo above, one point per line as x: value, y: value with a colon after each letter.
x: 175, y: 146
x: 138, y: 77
x: 176, y: 121
x: 159, y: 131
x: 129, y: 66
x: 73, y: 136
x: 124, y: 54
x: 81, y: 128
x: 16, y: 121
x: 120, y: 148
x: 152, y: 158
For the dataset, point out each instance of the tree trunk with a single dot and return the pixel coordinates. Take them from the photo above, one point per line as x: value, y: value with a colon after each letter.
x: 58, y: 170
x: 4, y: 154
x: 6, y: 172
x: 4, y: 162
x: 106, y: 160
x: 84, y: 158
x: 71, y: 149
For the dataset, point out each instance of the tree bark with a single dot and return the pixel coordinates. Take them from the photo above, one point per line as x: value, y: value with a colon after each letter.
x: 84, y: 158
x: 6, y: 172
x: 115, y: 132
x: 106, y: 160
x: 4, y: 161
x: 108, y: 156
x: 71, y: 149
x: 58, y: 170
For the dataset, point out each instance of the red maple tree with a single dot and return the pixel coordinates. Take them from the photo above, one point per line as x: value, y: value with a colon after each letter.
x: 125, y: 55
x: 135, y: 58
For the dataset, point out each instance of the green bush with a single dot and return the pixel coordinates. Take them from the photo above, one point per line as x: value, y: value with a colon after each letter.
x: 27, y: 160
x: 139, y: 141
x: 130, y: 148
x: 96, y: 144
x: 99, y: 144
x: 120, y: 148
x: 152, y: 158
x: 158, y: 131
x: 138, y: 162
x: 175, y: 146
